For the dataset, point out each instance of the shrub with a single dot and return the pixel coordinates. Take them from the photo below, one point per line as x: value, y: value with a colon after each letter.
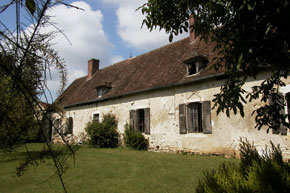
x: 103, y: 134
x: 265, y: 173
x: 135, y: 139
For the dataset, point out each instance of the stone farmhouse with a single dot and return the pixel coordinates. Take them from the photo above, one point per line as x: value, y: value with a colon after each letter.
x: 166, y: 94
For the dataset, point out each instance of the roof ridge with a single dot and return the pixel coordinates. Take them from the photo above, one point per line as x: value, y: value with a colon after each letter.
x: 149, y: 52
x: 162, y: 47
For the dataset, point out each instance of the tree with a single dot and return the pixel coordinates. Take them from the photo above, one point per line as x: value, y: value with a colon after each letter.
x: 26, y: 57
x: 250, y: 37
x: 18, y: 124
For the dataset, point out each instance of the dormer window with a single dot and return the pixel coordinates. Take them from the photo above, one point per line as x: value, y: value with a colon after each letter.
x: 102, y: 90
x: 196, y: 64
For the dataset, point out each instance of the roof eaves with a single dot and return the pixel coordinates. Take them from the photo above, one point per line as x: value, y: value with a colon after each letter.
x: 146, y: 90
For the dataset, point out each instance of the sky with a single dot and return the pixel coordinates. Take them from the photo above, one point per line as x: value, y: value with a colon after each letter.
x: 108, y: 30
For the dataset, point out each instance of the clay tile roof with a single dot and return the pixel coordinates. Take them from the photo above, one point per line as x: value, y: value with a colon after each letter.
x: 158, y: 68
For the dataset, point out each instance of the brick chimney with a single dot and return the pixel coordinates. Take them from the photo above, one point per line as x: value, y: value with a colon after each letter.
x: 192, y: 37
x: 93, y: 66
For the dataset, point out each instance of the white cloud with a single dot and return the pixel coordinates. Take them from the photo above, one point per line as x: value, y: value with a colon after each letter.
x: 84, y: 30
x: 126, y: 2
x: 129, y: 27
x: 117, y: 59
x: 89, y: 40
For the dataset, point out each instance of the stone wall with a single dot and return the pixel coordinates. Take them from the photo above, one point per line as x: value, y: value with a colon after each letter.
x: 164, y: 119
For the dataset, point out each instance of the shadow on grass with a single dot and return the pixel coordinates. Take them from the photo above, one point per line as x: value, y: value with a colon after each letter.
x: 26, y: 157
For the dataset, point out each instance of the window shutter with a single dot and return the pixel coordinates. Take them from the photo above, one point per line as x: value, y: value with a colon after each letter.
x: 206, y: 117
x: 283, y: 128
x: 147, y: 121
x: 271, y: 103
x: 136, y: 121
x: 192, y: 117
x: 70, y: 125
x: 182, y: 119
x: 133, y: 121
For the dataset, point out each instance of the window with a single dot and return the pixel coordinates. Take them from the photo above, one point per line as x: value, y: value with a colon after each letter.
x: 195, y: 118
x: 102, y: 90
x: 56, y: 126
x: 194, y: 123
x: 140, y: 120
x: 276, y: 98
x: 69, y: 126
x: 96, y: 117
x: 196, y: 64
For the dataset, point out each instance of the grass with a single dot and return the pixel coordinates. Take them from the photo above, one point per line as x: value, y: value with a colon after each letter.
x: 110, y: 171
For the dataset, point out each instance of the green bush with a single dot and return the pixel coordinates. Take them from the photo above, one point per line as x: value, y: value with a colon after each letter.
x: 103, y: 134
x: 135, y: 139
x: 256, y: 173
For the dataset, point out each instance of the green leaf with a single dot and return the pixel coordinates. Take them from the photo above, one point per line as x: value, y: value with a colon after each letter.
x: 240, y: 62
x: 242, y: 112
x: 30, y: 5
x: 228, y: 113
x: 171, y: 37
x: 235, y: 110
x: 268, y: 29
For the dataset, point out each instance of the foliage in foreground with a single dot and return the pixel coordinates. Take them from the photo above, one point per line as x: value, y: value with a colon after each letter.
x: 103, y: 134
x: 18, y: 124
x: 27, y: 60
x: 135, y: 139
x: 249, y: 36
x: 256, y: 173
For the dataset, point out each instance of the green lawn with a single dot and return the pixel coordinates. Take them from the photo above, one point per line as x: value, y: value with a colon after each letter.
x: 111, y: 170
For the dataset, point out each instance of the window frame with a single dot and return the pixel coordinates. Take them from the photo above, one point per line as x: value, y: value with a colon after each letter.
x: 69, y: 124
x: 195, y: 117
x: 56, y: 126
x: 283, y: 129
x: 198, y: 62
x: 141, y: 120
x: 135, y: 119
x: 97, y: 115
x: 102, y: 90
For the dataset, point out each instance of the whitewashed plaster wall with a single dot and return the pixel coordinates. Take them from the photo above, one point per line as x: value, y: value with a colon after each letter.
x: 164, y: 119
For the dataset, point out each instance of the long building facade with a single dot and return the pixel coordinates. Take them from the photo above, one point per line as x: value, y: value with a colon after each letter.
x: 167, y: 95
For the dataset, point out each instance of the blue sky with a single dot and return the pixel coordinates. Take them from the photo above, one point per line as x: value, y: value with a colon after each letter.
x: 108, y: 30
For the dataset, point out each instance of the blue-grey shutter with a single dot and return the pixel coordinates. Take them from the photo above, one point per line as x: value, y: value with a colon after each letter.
x: 131, y: 117
x: 206, y: 117
x: 182, y: 119
x: 147, y: 121
x: 133, y: 120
